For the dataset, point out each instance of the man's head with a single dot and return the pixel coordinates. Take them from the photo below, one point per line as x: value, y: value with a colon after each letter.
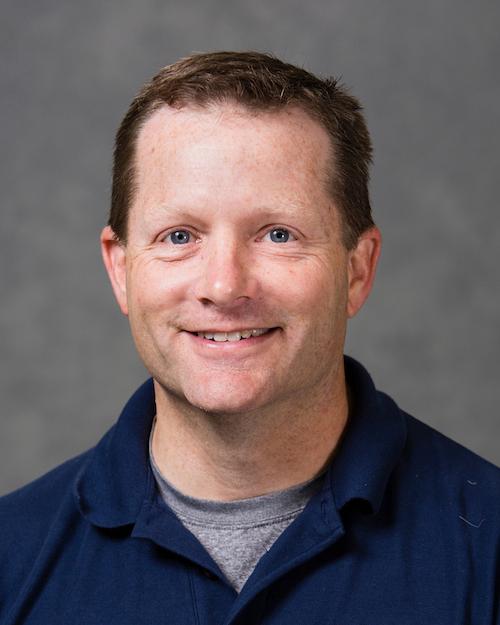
x: 257, y: 82
x: 232, y: 226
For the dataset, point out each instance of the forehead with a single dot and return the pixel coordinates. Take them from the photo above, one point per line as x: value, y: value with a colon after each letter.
x: 191, y: 118
x: 227, y: 154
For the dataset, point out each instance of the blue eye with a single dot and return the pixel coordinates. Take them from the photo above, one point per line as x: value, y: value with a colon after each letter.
x: 279, y: 235
x: 179, y: 237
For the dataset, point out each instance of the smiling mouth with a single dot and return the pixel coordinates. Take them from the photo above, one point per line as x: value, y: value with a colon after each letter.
x: 233, y: 337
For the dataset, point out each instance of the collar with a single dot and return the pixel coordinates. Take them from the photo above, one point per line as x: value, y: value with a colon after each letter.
x: 117, y: 480
x: 372, y: 443
x: 113, y: 485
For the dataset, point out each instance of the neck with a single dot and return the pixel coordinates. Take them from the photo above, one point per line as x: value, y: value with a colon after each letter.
x: 226, y: 457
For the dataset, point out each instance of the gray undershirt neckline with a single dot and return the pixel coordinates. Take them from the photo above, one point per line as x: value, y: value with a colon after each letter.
x: 236, y: 533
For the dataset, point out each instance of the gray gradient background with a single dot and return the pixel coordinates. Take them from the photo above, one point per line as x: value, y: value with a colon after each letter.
x: 427, y: 73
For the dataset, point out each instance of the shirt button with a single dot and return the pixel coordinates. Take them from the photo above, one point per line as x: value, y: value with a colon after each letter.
x: 209, y: 574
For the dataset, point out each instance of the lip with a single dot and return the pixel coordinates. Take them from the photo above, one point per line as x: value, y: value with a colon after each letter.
x: 211, y: 347
x: 228, y: 330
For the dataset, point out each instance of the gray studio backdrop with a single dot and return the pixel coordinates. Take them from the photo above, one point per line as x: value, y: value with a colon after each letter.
x: 427, y: 73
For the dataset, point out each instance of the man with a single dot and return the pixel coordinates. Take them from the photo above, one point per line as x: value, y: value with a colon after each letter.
x: 258, y: 477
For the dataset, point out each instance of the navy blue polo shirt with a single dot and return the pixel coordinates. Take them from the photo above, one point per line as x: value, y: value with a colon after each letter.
x: 405, y: 530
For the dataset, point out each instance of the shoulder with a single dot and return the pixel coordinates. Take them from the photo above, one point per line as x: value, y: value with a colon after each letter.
x: 449, y: 480
x: 41, y: 498
x: 29, y: 514
x: 447, y: 458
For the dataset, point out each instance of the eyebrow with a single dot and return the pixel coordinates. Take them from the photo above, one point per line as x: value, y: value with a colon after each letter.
x: 298, y: 208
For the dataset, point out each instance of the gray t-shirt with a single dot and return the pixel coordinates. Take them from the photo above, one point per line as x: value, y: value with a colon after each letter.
x: 237, y: 533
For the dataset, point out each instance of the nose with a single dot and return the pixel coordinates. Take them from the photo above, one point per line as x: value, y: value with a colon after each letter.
x: 225, y: 274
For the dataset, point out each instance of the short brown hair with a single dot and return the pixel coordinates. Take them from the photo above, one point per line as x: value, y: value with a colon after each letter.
x: 260, y: 82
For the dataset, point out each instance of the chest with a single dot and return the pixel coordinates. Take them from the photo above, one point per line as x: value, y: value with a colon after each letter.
x: 122, y: 580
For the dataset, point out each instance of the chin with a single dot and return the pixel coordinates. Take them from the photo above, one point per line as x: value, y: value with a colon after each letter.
x: 223, y: 394
x: 223, y: 391
x: 223, y: 405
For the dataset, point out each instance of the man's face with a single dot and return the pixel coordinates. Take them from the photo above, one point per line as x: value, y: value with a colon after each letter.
x: 232, y: 229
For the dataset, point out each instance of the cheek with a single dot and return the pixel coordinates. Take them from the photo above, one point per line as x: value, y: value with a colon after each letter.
x: 321, y: 311
x: 314, y: 289
x: 152, y: 287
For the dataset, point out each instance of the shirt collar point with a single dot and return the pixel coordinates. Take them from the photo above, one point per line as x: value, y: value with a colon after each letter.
x: 111, y: 487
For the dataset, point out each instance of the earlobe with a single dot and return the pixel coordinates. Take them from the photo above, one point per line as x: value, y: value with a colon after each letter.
x: 114, y: 257
x: 361, y: 269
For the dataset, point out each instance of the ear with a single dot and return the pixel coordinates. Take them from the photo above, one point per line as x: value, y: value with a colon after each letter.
x: 114, y: 256
x: 361, y: 269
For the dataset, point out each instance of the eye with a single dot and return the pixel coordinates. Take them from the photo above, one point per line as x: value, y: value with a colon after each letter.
x: 179, y: 237
x: 280, y: 235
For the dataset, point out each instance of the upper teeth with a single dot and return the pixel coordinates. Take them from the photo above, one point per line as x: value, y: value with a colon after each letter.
x: 232, y: 336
